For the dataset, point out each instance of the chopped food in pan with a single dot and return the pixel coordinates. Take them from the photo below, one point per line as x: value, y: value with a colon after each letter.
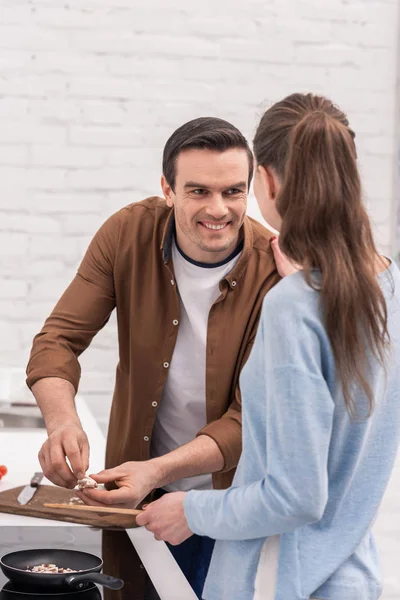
x: 49, y: 568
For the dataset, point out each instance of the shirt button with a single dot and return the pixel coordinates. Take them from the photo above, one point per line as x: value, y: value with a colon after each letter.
x: 172, y: 282
x: 166, y: 365
x: 175, y: 322
x: 146, y: 438
x: 233, y: 284
x: 154, y: 404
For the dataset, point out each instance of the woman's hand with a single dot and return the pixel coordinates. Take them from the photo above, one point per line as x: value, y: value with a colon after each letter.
x: 166, y: 519
x: 283, y: 264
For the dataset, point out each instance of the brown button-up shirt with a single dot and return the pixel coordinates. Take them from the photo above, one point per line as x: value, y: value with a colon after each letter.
x: 128, y: 266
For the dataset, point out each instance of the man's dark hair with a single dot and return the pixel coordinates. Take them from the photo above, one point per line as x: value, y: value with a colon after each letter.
x: 204, y: 133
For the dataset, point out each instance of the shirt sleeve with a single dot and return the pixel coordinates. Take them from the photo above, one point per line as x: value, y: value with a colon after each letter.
x: 298, y: 422
x: 227, y: 433
x: 83, y: 309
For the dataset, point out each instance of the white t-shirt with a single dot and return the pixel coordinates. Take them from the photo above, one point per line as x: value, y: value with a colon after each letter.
x: 182, y: 410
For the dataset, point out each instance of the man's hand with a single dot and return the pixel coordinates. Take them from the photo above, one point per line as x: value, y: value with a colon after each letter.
x: 135, y: 481
x: 65, y: 441
x: 283, y: 264
x: 166, y: 519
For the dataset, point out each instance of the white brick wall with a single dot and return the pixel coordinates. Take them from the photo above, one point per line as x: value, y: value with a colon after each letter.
x: 90, y: 91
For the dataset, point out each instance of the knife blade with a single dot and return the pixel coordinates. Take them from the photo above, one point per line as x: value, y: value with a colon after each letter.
x: 29, y: 490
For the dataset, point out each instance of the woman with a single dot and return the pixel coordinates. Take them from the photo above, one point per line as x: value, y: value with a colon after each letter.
x: 321, y: 399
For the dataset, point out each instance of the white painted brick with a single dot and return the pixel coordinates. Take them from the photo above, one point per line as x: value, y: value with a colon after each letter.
x: 102, y: 179
x: 134, y: 66
x: 352, y: 77
x: 68, y: 62
x: 368, y: 35
x: 13, y: 108
x: 17, y: 13
x: 13, y: 244
x: 224, y: 9
x: 200, y: 93
x: 98, y: 359
x: 14, y: 309
x: 117, y: 199
x: 65, y: 17
x: 96, y: 383
x: 42, y: 179
x: 106, y: 112
x: 10, y: 342
x: 81, y: 224
x: 329, y: 11
x: 13, y: 288
x: 127, y: 42
x: 67, y: 156
x: 77, y: 203
x: 379, y: 145
x: 10, y: 179
x: 309, y: 31
x: 26, y: 332
x: 61, y: 112
x: 106, y: 87
x: 333, y: 54
x: 266, y: 50
x: 71, y: 250
x: 13, y: 155
x: 25, y: 84
x: 372, y: 102
x: 41, y: 290
x: 116, y: 19
x: 28, y: 224
x: 32, y: 38
x: 230, y: 26
x: 40, y: 268
x: 12, y: 62
x: 210, y: 70
x: 19, y: 132
x: 134, y: 156
x: 362, y: 123
x: 21, y: 200
x: 104, y: 136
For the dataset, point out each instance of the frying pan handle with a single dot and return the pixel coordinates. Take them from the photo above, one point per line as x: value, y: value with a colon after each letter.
x: 112, y: 583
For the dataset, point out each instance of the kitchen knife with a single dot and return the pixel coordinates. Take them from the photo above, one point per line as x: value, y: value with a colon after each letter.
x: 29, y: 490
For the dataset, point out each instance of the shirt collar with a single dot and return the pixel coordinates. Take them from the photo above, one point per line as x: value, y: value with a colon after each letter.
x: 233, y: 276
x: 168, y: 236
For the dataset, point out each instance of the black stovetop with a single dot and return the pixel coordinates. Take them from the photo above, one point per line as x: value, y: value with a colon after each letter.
x: 85, y: 539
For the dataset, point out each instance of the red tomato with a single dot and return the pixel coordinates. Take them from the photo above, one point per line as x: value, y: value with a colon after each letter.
x: 3, y: 470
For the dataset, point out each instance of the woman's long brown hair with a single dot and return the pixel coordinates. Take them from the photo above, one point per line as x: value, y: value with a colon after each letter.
x: 308, y: 142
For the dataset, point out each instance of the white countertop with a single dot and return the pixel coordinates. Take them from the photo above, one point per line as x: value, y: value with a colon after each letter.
x: 19, y: 450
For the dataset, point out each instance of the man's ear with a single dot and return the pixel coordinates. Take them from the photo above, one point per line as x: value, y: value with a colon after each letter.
x: 268, y: 177
x: 167, y: 191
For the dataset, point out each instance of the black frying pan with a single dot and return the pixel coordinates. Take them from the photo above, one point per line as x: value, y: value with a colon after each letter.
x: 14, y: 567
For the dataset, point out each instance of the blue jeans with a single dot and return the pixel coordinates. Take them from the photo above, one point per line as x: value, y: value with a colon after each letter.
x: 193, y: 557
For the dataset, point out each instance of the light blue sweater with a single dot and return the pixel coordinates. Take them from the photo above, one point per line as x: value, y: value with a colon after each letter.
x: 307, y: 472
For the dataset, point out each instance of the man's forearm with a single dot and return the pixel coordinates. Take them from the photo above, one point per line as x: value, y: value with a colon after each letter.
x: 55, y: 398
x: 199, y: 457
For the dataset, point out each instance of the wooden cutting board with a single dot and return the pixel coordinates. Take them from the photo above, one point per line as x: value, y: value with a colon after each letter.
x: 57, y: 495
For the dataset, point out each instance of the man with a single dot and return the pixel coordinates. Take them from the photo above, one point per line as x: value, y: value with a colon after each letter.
x: 187, y: 276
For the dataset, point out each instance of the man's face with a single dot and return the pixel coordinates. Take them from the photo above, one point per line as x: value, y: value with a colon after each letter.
x: 209, y: 201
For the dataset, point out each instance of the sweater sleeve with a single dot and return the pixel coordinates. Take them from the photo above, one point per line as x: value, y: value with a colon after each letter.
x: 81, y: 312
x: 298, y: 421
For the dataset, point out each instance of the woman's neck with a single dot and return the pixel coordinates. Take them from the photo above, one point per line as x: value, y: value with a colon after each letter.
x: 381, y: 263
